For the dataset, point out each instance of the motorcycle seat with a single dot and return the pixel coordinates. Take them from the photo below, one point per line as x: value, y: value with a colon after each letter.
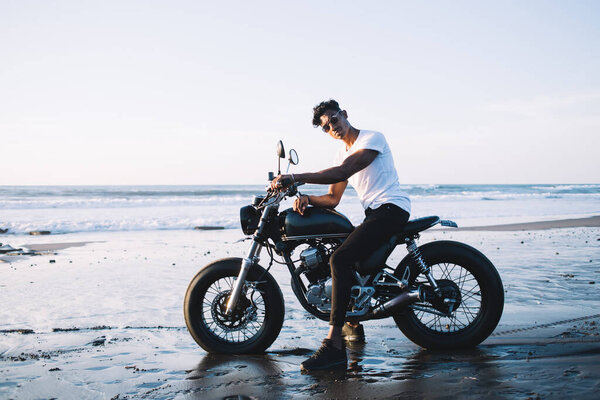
x: 417, y: 225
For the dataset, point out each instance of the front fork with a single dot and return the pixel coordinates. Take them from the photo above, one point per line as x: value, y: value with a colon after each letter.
x: 250, y: 260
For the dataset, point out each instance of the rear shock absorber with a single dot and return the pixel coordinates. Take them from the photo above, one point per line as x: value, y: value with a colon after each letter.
x: 417, y: 257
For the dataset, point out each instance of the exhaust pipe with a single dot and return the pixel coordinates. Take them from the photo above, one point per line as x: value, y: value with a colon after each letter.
x: 386, y: 309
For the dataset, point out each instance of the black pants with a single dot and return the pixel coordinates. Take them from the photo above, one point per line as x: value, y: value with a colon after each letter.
x: 379, y: 225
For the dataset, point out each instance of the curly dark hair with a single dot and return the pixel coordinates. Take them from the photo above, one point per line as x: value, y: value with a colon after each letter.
x: 320, y: 109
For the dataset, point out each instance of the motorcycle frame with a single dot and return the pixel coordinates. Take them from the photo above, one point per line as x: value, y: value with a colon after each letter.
x: 259, y: 240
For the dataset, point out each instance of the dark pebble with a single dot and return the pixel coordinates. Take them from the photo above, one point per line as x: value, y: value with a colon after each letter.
x: 99, y: 341
x: 592, y: 282
x: 21, y: 331
x: 52, y: 261
x: 65, y: 329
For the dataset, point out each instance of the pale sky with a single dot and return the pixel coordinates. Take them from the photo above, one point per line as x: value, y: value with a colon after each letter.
x: 194, y: 92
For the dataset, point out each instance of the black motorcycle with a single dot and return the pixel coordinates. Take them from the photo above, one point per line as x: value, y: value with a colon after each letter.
x: 442, y: 295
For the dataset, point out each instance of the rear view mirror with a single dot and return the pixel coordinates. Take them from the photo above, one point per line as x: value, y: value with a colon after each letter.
x: 293, y: 157
x: 280, y: 155
x: 280, y: 150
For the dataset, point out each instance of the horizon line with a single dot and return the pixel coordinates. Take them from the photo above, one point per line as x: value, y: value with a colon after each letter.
x: 316, y: 184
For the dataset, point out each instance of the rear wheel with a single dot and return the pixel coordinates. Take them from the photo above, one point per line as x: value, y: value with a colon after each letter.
x: 469, y: 280
x: 255, y: 322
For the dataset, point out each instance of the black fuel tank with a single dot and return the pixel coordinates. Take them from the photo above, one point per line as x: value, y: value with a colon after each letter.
x: 315, y: 221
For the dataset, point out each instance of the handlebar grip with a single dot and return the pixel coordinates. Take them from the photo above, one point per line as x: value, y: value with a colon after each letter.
x: 285, y: 182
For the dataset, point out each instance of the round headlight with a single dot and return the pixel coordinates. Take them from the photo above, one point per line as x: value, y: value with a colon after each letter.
x: 249, y: 217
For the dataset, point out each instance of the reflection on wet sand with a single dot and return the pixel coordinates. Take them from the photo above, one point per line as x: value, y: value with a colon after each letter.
x: 562, y: 359
x: 250, y: 375
x: 500, y: 370
x: 413, y: 373
x: 425, y: 371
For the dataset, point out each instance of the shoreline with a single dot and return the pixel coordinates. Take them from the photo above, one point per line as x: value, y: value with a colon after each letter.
x: 585, y: 222
x: 588, y: 222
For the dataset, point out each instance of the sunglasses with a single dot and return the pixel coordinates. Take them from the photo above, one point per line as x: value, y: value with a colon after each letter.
x: 332, y: 120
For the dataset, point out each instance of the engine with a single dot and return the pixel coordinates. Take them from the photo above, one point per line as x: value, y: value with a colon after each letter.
x: 315, y: 266
x: 314, y: 261
x: 319, y: 294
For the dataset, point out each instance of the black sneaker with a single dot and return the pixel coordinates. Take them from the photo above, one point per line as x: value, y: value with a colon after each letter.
x: 327, y: 357
x: 352, y: 334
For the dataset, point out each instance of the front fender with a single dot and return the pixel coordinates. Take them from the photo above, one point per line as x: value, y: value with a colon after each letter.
x: 231, y: 263
x: 226, y: 262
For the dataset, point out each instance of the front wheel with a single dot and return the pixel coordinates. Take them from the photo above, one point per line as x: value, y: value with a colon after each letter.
x: 470, y: 280
x: 255, y: 322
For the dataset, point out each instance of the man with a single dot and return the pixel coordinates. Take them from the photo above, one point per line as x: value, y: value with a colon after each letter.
x: 367, y: 163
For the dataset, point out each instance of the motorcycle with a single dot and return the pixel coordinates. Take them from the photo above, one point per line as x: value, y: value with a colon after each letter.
x: 442, y: 295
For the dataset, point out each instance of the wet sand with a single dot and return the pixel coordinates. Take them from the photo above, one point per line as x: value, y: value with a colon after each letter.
x: 53, y: 246
x: 162, y: 364
x: 104, y: 320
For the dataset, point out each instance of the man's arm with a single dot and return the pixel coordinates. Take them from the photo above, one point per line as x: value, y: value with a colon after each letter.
x: 329, y: 200
x: 351, y: 165
x: 337, y: 177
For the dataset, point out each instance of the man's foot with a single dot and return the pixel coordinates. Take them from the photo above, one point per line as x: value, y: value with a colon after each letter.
x: 353, y: 334
x: 326, y: 357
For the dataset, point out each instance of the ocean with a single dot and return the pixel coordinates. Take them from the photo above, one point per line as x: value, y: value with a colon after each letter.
x: 71, y: 209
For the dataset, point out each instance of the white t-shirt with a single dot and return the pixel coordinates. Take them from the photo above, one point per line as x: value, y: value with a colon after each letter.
x: 378, y: 183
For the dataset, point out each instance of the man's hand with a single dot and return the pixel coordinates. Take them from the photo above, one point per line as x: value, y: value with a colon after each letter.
x: 281, y: 181
x: 300, y: 204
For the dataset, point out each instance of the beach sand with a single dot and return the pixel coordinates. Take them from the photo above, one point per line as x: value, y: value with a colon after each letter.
x: 99, y: 316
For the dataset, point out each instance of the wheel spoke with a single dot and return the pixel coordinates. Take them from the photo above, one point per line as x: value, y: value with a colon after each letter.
x: 471, y: 289
x: 245, y: 321
x: 452, y: 270
x: 444, y: 274
x: 466, y: 314
x: 470, y: 300
x: 472, y: 296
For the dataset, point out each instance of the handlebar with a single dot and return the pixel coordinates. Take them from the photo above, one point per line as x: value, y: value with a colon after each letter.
x: 287, y: 184
x: 290, y: 186
x: 287, y: 191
